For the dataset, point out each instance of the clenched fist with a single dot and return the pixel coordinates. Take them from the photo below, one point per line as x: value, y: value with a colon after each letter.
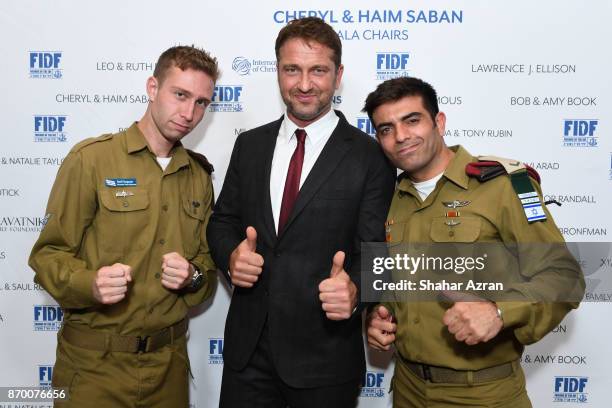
x: 111, y: 283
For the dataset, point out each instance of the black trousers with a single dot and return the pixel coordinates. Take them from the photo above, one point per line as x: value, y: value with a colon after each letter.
x: 259, y: 385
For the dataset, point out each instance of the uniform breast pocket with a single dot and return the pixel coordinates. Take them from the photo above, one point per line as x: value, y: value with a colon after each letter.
x: 455, y: 241
x: 123, y: 219
x: 192, y: 226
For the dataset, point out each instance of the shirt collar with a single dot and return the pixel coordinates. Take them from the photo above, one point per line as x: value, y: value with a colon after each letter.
x: 136, y: 142
x: 315, y: 131
x: 135, y: 139
x: 455, y: 171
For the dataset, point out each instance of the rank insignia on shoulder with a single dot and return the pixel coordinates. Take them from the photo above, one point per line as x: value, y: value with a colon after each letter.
x: 202, y: 161
x: 487, y: 170
x: 489, y: 167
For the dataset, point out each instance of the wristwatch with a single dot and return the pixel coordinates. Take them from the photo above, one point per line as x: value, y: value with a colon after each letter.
x: 197, y: 278
x: 499, y: 312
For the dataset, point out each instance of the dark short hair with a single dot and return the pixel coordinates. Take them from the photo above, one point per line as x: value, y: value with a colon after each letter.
x: 395, y: 89
x: 186, y: 57
x: 311, y: 29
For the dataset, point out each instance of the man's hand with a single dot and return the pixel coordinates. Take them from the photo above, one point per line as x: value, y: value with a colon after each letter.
x: 472, y: 322
x: 338, y: 294
x: 245, y: 264
x: 111, y: 283
x: 381, y: 329
x: 177, y: 272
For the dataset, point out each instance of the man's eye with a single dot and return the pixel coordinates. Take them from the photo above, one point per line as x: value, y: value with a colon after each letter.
x: 383, y: 130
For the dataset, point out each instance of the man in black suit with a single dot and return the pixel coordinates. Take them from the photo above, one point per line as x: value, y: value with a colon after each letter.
x: 299, y: 197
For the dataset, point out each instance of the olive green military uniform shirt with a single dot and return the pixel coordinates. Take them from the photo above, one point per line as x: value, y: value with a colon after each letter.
x: 112, y: 202
x: 491, y: 212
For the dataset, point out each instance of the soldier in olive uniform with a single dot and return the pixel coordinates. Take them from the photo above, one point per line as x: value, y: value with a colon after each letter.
x: 464, y: 352
x: 124, y: 249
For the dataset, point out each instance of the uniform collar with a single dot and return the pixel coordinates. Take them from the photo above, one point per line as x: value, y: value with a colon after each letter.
x: 135, y: 139
x: 455, y: 171
x: 136, y: 142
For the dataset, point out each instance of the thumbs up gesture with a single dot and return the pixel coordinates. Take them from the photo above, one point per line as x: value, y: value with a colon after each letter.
x: 338, y: 294
x: 245, y: 264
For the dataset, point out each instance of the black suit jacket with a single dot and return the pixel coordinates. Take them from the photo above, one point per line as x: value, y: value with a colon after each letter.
x: 344, y: 201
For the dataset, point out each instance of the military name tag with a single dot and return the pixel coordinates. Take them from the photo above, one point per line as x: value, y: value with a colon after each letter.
x: 120, y: 182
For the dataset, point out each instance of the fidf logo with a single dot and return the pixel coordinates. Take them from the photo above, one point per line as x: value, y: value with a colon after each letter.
x: 391, y: 65
x: 45, y: 64
x: 215, y: 351
x: 226, y: 98
x: 45, y: 374
x: 570, y: 389
x: 373, y: 385
x: 580, y: 132
x: 365, y: 125
x: 47, y: 317
x: 49, y: 128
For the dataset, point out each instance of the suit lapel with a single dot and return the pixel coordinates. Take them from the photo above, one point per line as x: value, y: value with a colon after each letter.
x: 331, y: 155
x: 264, y: 177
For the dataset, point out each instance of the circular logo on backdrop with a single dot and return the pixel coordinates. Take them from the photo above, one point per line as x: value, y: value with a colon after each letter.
x: 241, y: 65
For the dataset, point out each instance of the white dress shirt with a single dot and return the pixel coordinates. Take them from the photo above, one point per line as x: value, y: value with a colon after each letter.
x: 317, y: 135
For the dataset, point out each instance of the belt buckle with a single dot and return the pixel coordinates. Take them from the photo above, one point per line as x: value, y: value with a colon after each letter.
x: 142, y: 343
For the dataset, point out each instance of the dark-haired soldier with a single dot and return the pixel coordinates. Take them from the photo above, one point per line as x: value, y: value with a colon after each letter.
x: 124, y: 250
x: 461, y: 350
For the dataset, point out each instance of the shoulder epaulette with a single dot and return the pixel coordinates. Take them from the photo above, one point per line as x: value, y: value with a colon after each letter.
x: 90, y: 141
x: 202, y: 161
x: 488, y: 167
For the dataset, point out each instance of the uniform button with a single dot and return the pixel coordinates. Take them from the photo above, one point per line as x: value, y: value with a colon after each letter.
x: 416, y: 320
x: 126, y: 204
x: 150, y: 310
x: 451, y: 233
x: 162, y: 241
x: 165, y: 207
x: 157, y: 275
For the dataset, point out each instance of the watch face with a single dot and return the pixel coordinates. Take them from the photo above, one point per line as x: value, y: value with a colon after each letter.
x: 197, y: 278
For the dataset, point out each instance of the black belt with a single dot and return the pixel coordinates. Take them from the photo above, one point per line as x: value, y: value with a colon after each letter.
x: 97, y: 340
x: 437, y: 374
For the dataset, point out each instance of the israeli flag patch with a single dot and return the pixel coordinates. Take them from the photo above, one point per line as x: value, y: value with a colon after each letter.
x: 534, y: 212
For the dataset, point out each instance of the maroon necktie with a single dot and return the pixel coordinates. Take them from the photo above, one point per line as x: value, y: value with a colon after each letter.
x: 292, y: 183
